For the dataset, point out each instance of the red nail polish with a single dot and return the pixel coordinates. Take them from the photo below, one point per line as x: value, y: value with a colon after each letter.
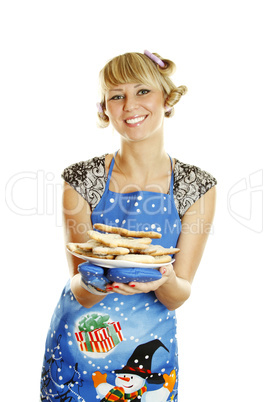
x: 115, y: 286
x: 109, y: 288
x: 133, y: 286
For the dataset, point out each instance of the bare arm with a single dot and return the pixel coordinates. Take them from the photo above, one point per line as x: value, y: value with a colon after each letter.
x: 196, y: 225
x: 175, y: 286
x: 77, y: 221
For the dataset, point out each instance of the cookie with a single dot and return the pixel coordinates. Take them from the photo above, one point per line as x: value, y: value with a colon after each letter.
x: 102, y: 250
x: 151, y: 248
x: 72, y: 246
x: 125, y: 232
x: 75, y: 248
x: 145, y: 259
x: 159, y: 250
x: 106, y: 256
x: 142, y: 258
x: 162, y: 259
x: 89, y: 245
x: 115, y: 240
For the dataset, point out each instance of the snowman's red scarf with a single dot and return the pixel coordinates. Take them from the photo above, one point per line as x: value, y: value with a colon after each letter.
x: 118, y: 394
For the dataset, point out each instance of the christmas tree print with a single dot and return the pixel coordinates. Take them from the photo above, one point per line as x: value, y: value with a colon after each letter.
x: 67, y: 390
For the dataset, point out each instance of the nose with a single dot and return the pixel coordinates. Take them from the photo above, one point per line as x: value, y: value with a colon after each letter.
x: 130, y: 103
x: 124, y: 379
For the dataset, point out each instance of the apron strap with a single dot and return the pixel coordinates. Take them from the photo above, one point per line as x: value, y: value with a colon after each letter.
x: 172, y: 177
x: 111, y: 170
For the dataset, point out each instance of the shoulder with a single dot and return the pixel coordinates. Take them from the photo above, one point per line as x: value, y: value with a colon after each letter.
x: 186, y: 174
x: 79, y: 171
x: 88, y: 178
x: 190, y: 183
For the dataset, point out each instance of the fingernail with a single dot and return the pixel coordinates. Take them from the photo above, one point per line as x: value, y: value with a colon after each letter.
x: 164, y: 270
x: 115, y: 286
x: 109, y: 288
x: 133, y: 286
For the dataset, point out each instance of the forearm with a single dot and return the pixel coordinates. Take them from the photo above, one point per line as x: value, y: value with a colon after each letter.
x: 174, y: 292
x: 85, y: 298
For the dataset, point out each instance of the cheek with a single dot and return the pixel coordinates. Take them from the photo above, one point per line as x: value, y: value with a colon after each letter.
x: 157, y: 107
x: 113, y: 113
x: 113, y: 107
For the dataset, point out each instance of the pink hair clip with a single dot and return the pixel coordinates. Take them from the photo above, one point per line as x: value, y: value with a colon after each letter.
x: 168, y: 109
x: 155, y: 59
x: 99, y: 107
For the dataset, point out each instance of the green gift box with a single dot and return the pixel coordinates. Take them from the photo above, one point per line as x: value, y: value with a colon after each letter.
x: 115, y: 332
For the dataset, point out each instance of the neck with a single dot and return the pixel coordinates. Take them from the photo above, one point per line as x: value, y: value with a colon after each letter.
x: 138, y: 160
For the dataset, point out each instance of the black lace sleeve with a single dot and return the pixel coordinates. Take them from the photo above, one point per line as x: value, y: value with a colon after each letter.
x: 190, y: 183
x: 88, y: 178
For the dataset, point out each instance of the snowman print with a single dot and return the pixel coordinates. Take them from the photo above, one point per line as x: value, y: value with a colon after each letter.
x: 130, y: 382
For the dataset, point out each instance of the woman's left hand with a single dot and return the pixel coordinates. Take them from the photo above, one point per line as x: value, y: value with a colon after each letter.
x: 132, y: 288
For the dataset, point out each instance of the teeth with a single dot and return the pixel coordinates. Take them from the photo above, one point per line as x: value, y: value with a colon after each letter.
x: 136, y: 120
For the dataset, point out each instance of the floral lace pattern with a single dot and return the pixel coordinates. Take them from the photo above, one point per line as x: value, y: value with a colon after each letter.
x: 89, y: 178
x: 190, y: 183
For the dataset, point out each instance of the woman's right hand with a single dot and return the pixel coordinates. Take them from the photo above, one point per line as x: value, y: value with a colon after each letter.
x: 83, y: 296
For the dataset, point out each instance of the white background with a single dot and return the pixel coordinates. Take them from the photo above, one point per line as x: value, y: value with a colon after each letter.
x: 51, y: 53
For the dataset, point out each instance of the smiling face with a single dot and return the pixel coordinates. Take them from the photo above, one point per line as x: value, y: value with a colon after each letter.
x: 130, y: 382
x: 136, y: 111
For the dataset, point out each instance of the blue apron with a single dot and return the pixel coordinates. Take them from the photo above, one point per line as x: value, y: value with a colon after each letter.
x: 125, y: 347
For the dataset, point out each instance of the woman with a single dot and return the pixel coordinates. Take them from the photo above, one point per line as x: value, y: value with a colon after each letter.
x: 140, y: 187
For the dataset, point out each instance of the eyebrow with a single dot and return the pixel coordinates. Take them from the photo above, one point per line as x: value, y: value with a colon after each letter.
x: 120, y: 89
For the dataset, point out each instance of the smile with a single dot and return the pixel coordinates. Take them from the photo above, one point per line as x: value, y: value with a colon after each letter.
x: 135, y: 120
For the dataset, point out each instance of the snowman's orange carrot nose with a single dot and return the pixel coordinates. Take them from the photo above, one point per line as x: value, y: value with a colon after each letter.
x: 124, y: 378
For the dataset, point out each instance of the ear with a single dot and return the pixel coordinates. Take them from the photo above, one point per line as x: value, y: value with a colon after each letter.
x: 165, y: 101
x: 104, y: 108
x: 166, y: 106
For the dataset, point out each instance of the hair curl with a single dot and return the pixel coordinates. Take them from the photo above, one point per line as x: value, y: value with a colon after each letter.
x: 139, y: 68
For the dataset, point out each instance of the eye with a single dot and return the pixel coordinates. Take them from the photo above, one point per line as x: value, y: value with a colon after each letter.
x: 144, y: 92
x: 117, y: 97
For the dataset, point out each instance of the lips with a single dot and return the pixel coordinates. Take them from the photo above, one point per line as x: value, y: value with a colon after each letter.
x: 135, y: 121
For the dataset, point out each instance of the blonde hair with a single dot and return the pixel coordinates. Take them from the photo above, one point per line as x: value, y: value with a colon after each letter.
x: 139, y: 68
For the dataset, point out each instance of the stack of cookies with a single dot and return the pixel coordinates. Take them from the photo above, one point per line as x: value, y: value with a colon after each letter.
x: 110, y: 242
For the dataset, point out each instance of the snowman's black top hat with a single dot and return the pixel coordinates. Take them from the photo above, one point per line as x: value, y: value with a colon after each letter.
x: 140, y: 362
